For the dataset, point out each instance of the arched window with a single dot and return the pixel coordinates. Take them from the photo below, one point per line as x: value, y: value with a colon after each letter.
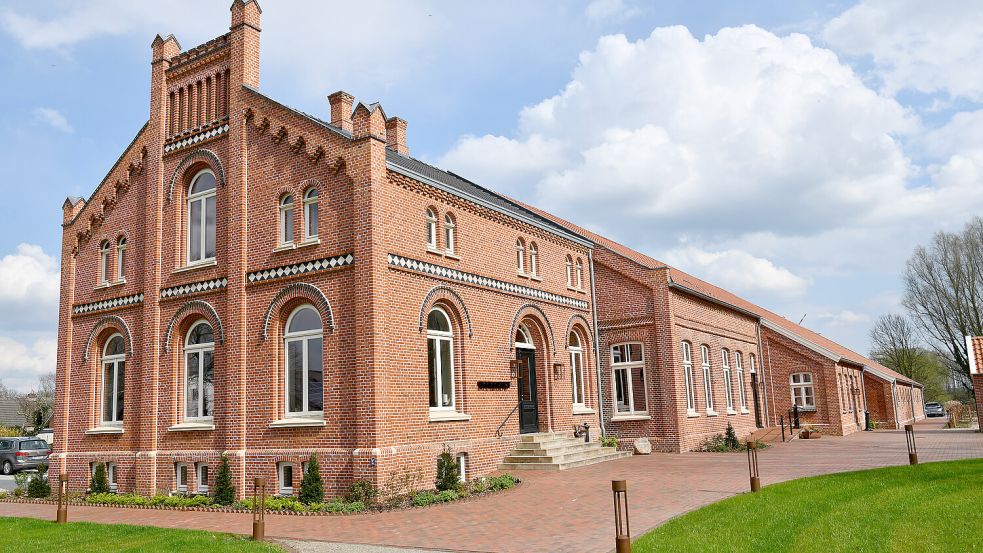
x: 523, y: 339
x: 739, y: 374
x: 199, y: 372
x: 576, y: 368
x: 310, y: 214
x: 440, y: 359
x: 287, y: 220
x: 113, y: 368
x: 304, y: 363
x: 707, y: 382
x: 104, y: 252
x: 121, y: 259
x: 569, y: 264
x: 728, y: 385
x: 431, y: 229
x: 580, y: 274
x: 449, y: 237
x: 533, y: 259
x: 688, y: 378
x: 520, y: 256
x: 201, y: 218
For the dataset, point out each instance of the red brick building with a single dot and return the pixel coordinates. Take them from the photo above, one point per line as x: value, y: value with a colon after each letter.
x: 253, y: 281
x: 974, y: 351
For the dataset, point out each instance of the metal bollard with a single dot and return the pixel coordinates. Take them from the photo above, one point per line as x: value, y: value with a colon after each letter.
x: 781, y: 422
x: 259, y: 509
x: 62, y: 516
x: 909, y: 432
x: 752, y: 465
x: 622, y: 531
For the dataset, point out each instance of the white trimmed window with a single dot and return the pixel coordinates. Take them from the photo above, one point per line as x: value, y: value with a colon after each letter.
x: 285, y: 477
x: 462, y: 466
x: 707, y: 380
x: 803, y: 393
x: 113, y: 368
x: 628, y: 368
x: 688, y: 378
x: 104, y: 255
x: 728, y: 383
x: 520, y: 256
x: 181, y: 477
x: 431, y: 229
x: 121, y: 259
x: 569, y: 272
x: 310, y: 214
x: 440, y: 360
x: 533, y: 259
x: 580, y: 274
x: 303, y: 342
x: 201, y: 218
x: 199, y: 372
x: 111, y: 477
x: 739, y: 374
x: 201, y: 474
x: 576, y: 369
x: 286, y: 220
x: 449, y: 236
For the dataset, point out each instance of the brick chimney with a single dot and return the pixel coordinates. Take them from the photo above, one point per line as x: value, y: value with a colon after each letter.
x: 369, y: 121
x: 341, y: 109
x: 396, y: 135
x: 72, y: 206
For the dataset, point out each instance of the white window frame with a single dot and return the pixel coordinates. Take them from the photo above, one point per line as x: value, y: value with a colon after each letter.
x: 533, y: 259
x: 115, y: 359
x: 520, y: 256
x: 203, y: 198
x: 629, y: 387
x: 805, y: 386
x: 305, y: 338
x: 526, y: 342
x: 121, y: 260
x: 462, y: 466
x: 200, y: 350
x: 310, y: 206
x: 728, y: 383
x: 181, y: 487
x: 577, y: 369
x: 281, y: 480
x: 199, y: 469
x: 111, y: 477
x: 286, y: 209
x: 687, y: 352
x: 580, y: 274
x: 569, y: 262
x: 707, y: 378
x: 442, y: 339
x: 739, y: 374
x: 104, y: 251
x: 431, y: 229
x: 450, y: 238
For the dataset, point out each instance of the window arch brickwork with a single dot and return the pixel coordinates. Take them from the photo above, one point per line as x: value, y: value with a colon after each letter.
x: 199, y: 307
x: 203, y: 155
x: 110, y: 321
x: 447, y: 294
x: 296, y: 290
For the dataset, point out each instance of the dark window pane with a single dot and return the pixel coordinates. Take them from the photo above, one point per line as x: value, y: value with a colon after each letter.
x: 115, y: 346
x: 638, y: 388
x: 193, y: 385
x: 617, y: 354
x: 635, y: 352
x: 210, y: 227
x: 288, y: 225
x: 621, y: 390
x: 204, y: 181
x: 119, y: 390
x: 203, y: 476
x: 436, y: 320
x: 432, y: 370
x: 295, y: 376
x: 208, y: 382
x: 303, y: 320
x: 107, y: 394
x: 194, y: 233
x: 201, y: 334
x: 446, y: 374
x: 312, y: 220
x: 315, y: 375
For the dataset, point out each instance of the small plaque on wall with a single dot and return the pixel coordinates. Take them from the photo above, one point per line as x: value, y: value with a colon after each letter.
x: 491, y: 385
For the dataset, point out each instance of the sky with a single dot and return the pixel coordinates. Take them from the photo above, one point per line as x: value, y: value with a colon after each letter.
x: 792, y: 152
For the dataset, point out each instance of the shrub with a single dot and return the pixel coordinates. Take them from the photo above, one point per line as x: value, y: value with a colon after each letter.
x: 341, y: 506
x: 730, y: 438
x: 503, y: 482
x: 225, y: 491
x: 18, y: 492
x: 448, y: 477
x: 362, y: 490
x: 117, y: 499
x: 9, y: 432
x: 311, y: 487
x: 3, y: 494
x: 422, y: 499
x: 99, y: 483
x: 609, y: 441
x: 39, y: 486
x: 445, y: 496
x: 20, y: 483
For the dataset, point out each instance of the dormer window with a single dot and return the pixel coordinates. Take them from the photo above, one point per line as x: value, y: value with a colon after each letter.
x: 201, y: 218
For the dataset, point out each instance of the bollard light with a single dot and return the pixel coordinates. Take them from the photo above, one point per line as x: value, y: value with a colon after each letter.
x: 62, y: 516
x: 752, y: 465
x: 909, y: 432
x: 259, y: 509
x: 622, y: 531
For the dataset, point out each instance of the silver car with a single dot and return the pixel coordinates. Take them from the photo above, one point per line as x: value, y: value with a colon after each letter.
x: 934, y: 409
x: 22, y: 453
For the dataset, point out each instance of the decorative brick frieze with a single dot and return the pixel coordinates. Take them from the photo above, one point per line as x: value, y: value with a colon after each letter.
x: 194, y: 288
x: 197, y: 137
x: 301, y: 268
x: 106, y: 305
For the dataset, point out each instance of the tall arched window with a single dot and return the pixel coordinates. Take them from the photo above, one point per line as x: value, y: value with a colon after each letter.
x: 199, y: 372
x: 569, y: 272
x: 449, y: 237
x: 533, y: 259
x: 739, y: 374
x: 580, y: 274
x: 286, y: 219
x: 105, y: 251
x: 688, y: 378
x: 201, y: 218
x: 576, y: 368
x: 304, y: 363
x: 707, y: 382
x: 520, y: 255
x: 728, y: 384
x: 310, y: 214
x: 121, y: 259
x: 113, y: 368
x: 431, y: 229
x: 440, y: 359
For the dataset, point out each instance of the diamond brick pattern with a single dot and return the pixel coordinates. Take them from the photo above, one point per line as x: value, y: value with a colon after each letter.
x: 478, y: 280
x: 107, y: 304
x: 194, y: 288
x: 195, y: 139
x: 301, y: 268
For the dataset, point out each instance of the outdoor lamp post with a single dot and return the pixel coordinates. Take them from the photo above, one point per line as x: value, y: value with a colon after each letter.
x: 259, y: 509
x: 622, y: 532
x: 752, y: 465
x: 909, y: 432
x: 62, y: 516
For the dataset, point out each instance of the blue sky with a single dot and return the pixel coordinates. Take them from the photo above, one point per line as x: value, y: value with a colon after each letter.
x: 793, y: 152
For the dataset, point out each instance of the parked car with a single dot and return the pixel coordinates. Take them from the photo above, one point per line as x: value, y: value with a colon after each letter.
x: 22, y: 453
x: 934, y: 409
x: 47, y: 435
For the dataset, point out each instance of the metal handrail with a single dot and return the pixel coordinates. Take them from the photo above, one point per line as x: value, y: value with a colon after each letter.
x: 498, y: 432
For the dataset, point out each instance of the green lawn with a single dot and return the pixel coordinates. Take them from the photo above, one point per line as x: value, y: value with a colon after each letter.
x: 30, y: 535
x: 928, y: 507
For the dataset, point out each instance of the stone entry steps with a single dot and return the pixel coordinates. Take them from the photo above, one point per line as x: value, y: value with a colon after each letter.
x: 769, y: 435
x: 553, y: 451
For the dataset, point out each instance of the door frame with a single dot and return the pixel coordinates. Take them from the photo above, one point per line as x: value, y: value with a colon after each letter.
x: 524, y: 354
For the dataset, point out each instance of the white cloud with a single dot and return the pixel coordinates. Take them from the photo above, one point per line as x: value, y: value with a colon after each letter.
x: 924, y: 46
x: 21, y: 364
x: 54, y: 119
x: 739, y: 272
x: 845, y: 317
x: 609, y: 10
x: 29, y: 285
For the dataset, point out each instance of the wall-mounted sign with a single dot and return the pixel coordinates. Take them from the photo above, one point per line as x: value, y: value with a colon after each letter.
x: 490, y: 385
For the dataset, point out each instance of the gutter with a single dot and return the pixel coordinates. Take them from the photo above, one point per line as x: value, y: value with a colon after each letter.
x: 597, y: 341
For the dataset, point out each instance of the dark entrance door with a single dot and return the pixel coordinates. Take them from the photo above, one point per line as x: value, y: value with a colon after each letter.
x: 528, y: 406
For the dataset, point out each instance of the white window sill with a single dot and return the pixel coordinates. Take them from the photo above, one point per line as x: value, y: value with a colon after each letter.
x: 105, y: 430
x: 285, y: 247
x: 575, y: 289
x: 192, y: 426
x: 620, y: 418
x: 537, y: 278
x: 197, y: 265
x: 452, y: 255
x: 312, y: 241
x: 712, y: 413
x: 447, y: 416
x: 744, y: 411
x: 296, y: 422
x: 522, y: 274
x: 690, y: 413
x: 104, y: 285
x: 202, y: 490
x: 581, y: 410
x: 731, y: 412
x: 434, y: 250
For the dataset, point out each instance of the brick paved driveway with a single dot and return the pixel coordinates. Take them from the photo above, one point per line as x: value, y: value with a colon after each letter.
x: 570, y: 511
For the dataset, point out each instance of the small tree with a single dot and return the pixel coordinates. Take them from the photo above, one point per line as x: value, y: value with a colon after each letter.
x: 311, y: 487
x: 225, y: 492
x: 39, y: 486
x: 448, y: 477
x: 99, y: 482
x: 730, y: 438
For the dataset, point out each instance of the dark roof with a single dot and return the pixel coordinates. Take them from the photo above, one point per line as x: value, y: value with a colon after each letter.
x: 10, y: 412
